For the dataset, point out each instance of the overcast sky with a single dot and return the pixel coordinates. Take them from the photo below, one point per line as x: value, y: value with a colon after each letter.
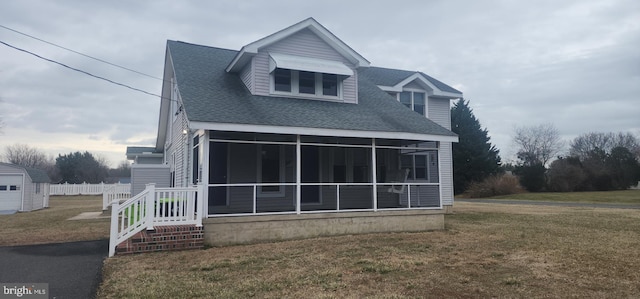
x: 575, y: 64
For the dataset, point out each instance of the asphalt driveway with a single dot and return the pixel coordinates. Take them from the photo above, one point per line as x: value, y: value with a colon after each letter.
x: 72, y: 270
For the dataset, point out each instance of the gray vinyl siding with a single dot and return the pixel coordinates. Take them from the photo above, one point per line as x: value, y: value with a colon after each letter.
x: 261, y: 78
x: 178, y: 145
x: 246, y: 76
x: 440, y: 112
x: 304, y: 43
x: 141, y: 175
x: 446, y: 174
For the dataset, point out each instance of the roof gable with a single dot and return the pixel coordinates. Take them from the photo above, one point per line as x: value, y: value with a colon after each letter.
x: 250, y: 50
x: 394, y: 80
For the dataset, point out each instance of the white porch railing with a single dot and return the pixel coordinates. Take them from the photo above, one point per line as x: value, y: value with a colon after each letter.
x: 335, y: 197
x: 81, y: 189
x: 115, y: 193
x: 155, y: 207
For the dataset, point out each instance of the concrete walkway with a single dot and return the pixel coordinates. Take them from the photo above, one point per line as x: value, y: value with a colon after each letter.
x: 551, y: 203
x: 72, y: 270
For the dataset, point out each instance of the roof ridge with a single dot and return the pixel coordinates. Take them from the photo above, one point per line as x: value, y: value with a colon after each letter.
x: 199, y: 45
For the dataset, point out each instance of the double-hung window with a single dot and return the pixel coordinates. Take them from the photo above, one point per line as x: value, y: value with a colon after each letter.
x: 422, y: 167
x: 414, y: 100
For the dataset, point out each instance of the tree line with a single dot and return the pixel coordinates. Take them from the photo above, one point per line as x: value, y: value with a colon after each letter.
x: 73, y: 168
x: 595, y: 161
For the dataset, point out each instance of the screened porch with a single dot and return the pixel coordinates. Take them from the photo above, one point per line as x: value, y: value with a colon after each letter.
x: 253, y: 173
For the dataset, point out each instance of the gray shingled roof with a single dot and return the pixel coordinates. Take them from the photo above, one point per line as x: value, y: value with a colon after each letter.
x: 210, y: 94
x: 391, y: 77
x: 140, y: 149
x: 36, y: 175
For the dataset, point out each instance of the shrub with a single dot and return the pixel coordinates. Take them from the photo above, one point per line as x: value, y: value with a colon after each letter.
x: 532, y: 176
x: 502, y: 184
x: 566, y: 175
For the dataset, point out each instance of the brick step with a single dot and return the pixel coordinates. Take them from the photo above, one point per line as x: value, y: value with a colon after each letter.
x: 164, y: 238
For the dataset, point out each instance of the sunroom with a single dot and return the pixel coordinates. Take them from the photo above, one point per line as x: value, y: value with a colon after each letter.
x: 273, y: 174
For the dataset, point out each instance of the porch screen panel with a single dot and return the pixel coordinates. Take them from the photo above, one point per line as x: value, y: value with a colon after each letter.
x: 270, y: 171
x: 218, y: 169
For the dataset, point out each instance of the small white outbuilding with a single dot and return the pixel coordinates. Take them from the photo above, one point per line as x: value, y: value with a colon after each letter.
x: 22, y: 189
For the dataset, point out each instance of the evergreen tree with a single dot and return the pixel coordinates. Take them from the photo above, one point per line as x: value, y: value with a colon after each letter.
x: 77, y: 168
x: 474, y: 157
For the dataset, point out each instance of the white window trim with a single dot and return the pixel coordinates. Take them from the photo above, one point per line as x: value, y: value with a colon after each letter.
x: 281, y: 188
x: 428, y: 155
x: 413, y: 91
x: 295, y: 87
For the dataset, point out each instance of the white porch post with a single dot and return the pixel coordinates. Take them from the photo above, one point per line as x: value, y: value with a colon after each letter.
x: 201, y: 206
x: 374, y: 174
x: 298, y: 174
x: 113, y: 234
x: 439, y: 145
x: 149, y: 203
x: 204, y: 178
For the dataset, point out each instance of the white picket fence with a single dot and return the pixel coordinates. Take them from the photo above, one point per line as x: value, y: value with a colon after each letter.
x: 85, y: 189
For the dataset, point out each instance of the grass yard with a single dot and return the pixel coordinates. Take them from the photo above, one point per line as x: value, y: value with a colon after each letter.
x: 622, y: 196
x: 50, y: 225
x: 487, y: 250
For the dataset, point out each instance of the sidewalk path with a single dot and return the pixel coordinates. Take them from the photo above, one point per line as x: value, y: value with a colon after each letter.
x: 72, y: 270
x: 551, y: 203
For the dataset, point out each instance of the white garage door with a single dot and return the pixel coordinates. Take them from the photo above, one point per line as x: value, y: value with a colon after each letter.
x: 10, y: 192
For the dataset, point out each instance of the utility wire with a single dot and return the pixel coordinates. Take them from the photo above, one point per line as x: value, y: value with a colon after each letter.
x: 85, y: 55
x: 81, y: 71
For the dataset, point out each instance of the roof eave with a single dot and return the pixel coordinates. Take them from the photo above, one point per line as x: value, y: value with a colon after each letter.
x: 320, y: 131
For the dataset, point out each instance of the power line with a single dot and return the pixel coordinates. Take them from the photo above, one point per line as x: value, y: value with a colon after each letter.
x: 79, y: 53
x: 81, y: 71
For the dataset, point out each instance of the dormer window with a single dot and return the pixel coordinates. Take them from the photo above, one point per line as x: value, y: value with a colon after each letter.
x: 302, y: 76
x: 413, y: 100
x: 282, y: 80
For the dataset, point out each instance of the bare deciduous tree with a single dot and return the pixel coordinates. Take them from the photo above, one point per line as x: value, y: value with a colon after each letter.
x: 585, y: 144
x: 538, y: 144
x: 24, y: 155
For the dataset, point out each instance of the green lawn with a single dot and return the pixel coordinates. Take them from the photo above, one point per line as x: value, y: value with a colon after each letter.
x: 621, y: 197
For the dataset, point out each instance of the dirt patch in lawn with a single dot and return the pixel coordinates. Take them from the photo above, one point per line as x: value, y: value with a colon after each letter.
x: 503, y: 251
x: 51, y: 225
